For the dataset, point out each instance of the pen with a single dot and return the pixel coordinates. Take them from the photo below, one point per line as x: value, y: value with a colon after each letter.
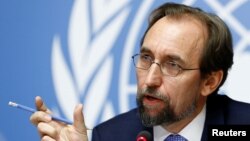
x: 13, y: 104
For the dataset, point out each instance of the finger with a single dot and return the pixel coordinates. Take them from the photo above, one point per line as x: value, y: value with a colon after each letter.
x: 40, y: 116
x: 79, y: 123
x: 46, y: 129
x: 47, y: 138
x: 40, y: 105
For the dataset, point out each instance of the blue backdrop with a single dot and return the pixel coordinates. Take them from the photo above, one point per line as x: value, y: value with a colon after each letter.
x: 72, y: 52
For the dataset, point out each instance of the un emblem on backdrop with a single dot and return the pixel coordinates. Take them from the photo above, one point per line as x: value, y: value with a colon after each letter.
x: 97, y: 71
x: 93, y: 74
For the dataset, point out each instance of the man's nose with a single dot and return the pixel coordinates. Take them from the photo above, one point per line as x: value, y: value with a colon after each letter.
x: 154, y: 76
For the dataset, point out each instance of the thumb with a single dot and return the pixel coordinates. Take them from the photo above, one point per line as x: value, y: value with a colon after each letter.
x: 40, y: 105
x: 79, y: 123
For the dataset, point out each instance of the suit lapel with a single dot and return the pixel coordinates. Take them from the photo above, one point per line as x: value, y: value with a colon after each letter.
x: 214, y: 114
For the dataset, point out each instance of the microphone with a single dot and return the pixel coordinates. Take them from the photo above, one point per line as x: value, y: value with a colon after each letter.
x: 144, y: 136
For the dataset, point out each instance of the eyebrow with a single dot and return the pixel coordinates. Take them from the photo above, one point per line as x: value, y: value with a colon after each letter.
x: 145, y: 49
x: 172, y: 57
x: 175, y: 58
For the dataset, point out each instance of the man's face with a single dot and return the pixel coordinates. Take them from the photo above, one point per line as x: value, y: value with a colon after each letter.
x: 166, y: 99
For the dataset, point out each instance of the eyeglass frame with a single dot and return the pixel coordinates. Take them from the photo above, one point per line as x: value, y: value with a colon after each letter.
x: 181, y: 69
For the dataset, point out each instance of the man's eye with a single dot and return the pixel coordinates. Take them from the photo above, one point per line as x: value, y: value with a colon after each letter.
x: 172, y: 65
x: 146, y: 58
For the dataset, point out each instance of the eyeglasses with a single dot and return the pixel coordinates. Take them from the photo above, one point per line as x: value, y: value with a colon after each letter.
x: 144, y: 62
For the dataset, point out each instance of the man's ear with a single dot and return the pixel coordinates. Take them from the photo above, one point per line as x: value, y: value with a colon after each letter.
x: 211, y: 82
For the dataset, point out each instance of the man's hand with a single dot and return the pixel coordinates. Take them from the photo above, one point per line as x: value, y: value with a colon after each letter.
x: 51, y: 130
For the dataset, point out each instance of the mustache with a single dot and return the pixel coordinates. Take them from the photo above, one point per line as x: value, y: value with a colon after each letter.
x: 152, y: 92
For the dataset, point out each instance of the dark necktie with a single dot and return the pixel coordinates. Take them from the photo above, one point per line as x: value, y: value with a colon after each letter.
x: 175, y: 137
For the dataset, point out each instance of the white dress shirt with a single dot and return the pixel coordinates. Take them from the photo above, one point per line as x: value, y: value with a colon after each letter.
x: 192, y: 132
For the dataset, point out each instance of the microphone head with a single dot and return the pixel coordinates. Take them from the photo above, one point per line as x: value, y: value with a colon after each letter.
x: 144, y: 136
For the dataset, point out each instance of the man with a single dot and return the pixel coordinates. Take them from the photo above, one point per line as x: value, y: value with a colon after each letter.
x: 184, y: 59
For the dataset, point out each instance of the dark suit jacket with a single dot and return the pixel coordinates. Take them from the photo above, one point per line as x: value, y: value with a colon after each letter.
x: 221, y: 110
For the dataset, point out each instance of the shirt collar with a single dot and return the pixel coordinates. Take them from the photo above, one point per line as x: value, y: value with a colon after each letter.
x: 192, y: 132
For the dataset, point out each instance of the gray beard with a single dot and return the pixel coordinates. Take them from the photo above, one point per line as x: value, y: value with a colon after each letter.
x: 166, y: 116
